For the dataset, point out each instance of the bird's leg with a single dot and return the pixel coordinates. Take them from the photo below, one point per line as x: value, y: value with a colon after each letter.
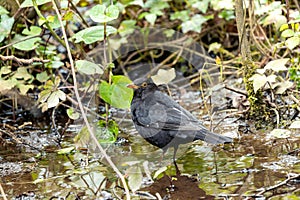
x: 174, y: 161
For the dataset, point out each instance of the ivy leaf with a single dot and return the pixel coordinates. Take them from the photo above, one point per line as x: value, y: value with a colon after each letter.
x: 88, y: 68
x: 26, y: 45
x: 194, y: 24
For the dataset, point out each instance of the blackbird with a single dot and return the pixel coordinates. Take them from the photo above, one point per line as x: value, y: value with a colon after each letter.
x: 164, y: 123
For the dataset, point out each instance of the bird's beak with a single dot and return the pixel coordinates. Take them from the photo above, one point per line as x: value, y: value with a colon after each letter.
x: 132, y: 86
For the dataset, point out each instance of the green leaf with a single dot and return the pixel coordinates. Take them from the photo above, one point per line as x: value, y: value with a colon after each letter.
x: 6, y: 24
x: 34, y: 31
x: 107, y: 132
x: 29, y: 3
x: 287, y: 33
x: 277, y: 65
x: 26, y: 45
x: 101, y: 14
x: 292, y: 42
x: 117, y: 94
x: 93, y: 34
x: 72, y: 114
x: 88, y: 68
x: 164, y: 76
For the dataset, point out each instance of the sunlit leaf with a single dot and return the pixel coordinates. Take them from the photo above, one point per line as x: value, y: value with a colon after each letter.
x: 135, y: 177
x: 5, y: 70
x: 277, y: 65
x: 88, y: 68
x: 151, y: 18
x: 22, y: 73
x: 258, y: 81
x: 164, y: 76
x: 6, y: 24
x: 101, y: 14
x: 159, y: 171
x: 282, y: 87
x: 287, y: 33
x: 54, y: 98
x: 7, y: 84
x: 24, y: 88
x: 280, y: 133
x: 295, y: 124
x: 34, y: 30
x: 292, y: 42
x: 26, y: 44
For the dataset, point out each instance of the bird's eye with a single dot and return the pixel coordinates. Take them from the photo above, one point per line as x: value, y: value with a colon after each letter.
x: 144, y: 84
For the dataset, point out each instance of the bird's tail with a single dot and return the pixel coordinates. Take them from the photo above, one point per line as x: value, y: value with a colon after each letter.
x: 212, y: 138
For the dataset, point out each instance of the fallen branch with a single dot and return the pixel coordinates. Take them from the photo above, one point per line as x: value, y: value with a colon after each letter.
x: 23, y: 61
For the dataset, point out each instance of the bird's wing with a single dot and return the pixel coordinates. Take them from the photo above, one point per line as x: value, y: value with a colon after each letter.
x: 165, y: 114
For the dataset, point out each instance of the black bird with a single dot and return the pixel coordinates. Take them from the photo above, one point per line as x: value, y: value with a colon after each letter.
x: 164, y: 123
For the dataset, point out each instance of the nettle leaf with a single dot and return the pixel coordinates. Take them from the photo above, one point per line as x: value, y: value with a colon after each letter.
x: 29, y: 3
x: 292, y: 42
x: 101, y: 14
x: 277, y: 65
x: 6, y: 24
x: 88, y: 68
x: 135, y: 177
x: 117, y: 94
x: 164, y: 76
x: 295, y: 124
x: 93, y: 34
x: 194, y: 24
x: 258, y: 81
